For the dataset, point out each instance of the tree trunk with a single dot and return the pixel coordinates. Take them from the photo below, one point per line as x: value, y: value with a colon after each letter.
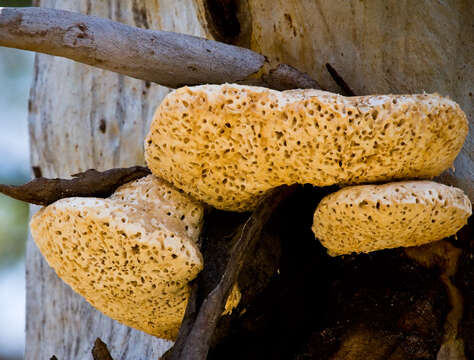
x: 82, y: 117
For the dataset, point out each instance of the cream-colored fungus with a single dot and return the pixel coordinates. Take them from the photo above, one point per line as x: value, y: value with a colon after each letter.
x: 228, y: 144
x: 130, y: 255
x: 366, y: 218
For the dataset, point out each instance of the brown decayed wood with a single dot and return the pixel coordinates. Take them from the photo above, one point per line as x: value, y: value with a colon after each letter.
x: 100, y: 351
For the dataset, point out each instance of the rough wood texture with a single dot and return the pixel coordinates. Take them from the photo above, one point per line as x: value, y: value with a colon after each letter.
x: 165, y: 58
x: 194, y: 339
x: 375, y: 306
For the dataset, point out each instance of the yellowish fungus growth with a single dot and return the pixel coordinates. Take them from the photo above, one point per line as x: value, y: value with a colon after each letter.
x: 228, y: 144
x: 366, y: 218
x: 130, y: 255
x: 233, y: 300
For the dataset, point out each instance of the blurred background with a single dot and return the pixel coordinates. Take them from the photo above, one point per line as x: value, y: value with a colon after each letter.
x: 16, y: 70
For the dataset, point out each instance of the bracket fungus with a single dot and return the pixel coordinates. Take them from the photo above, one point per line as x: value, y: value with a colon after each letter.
x: 226, y: 145
x: 130, y: 255
x: 133, y: 254
x: 366, y: 218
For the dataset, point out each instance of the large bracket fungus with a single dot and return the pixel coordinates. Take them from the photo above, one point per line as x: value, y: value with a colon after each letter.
x: 133, y: 254
x: 130, y: 255
x: 228, y: 144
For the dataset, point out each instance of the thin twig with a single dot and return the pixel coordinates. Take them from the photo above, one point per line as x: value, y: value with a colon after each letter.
x: 91, y: 183
x: 346, y: 90
x: 162, y: 57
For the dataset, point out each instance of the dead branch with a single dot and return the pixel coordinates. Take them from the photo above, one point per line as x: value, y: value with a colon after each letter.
x: 195, y: 336
x: 165, y: 58
x: 93, y: 183
x: 346, y: 90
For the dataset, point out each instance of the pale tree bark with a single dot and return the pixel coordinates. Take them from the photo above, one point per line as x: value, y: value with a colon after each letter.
x: 82, y: 117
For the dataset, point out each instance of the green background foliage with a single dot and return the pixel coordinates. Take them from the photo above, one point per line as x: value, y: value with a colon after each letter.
x: 15, y: 3
x: 13, y: 229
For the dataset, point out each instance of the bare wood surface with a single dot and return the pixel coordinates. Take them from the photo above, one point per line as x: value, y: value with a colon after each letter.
x: 91, y: 183
x: 166, y: 58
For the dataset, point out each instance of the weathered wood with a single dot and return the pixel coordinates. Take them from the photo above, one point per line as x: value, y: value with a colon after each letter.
x: 382, y: 305
x: 166, y: 58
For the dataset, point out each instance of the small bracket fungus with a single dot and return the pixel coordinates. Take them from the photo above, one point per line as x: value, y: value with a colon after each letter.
x: 233, y: 300
x: 228, y: 144
x: 130, y: 255
x: 366, y: 218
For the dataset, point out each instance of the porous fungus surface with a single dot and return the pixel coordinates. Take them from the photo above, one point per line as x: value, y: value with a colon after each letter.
x: 366, y: 218
x: 130, y: 255
x: 228, y: 144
